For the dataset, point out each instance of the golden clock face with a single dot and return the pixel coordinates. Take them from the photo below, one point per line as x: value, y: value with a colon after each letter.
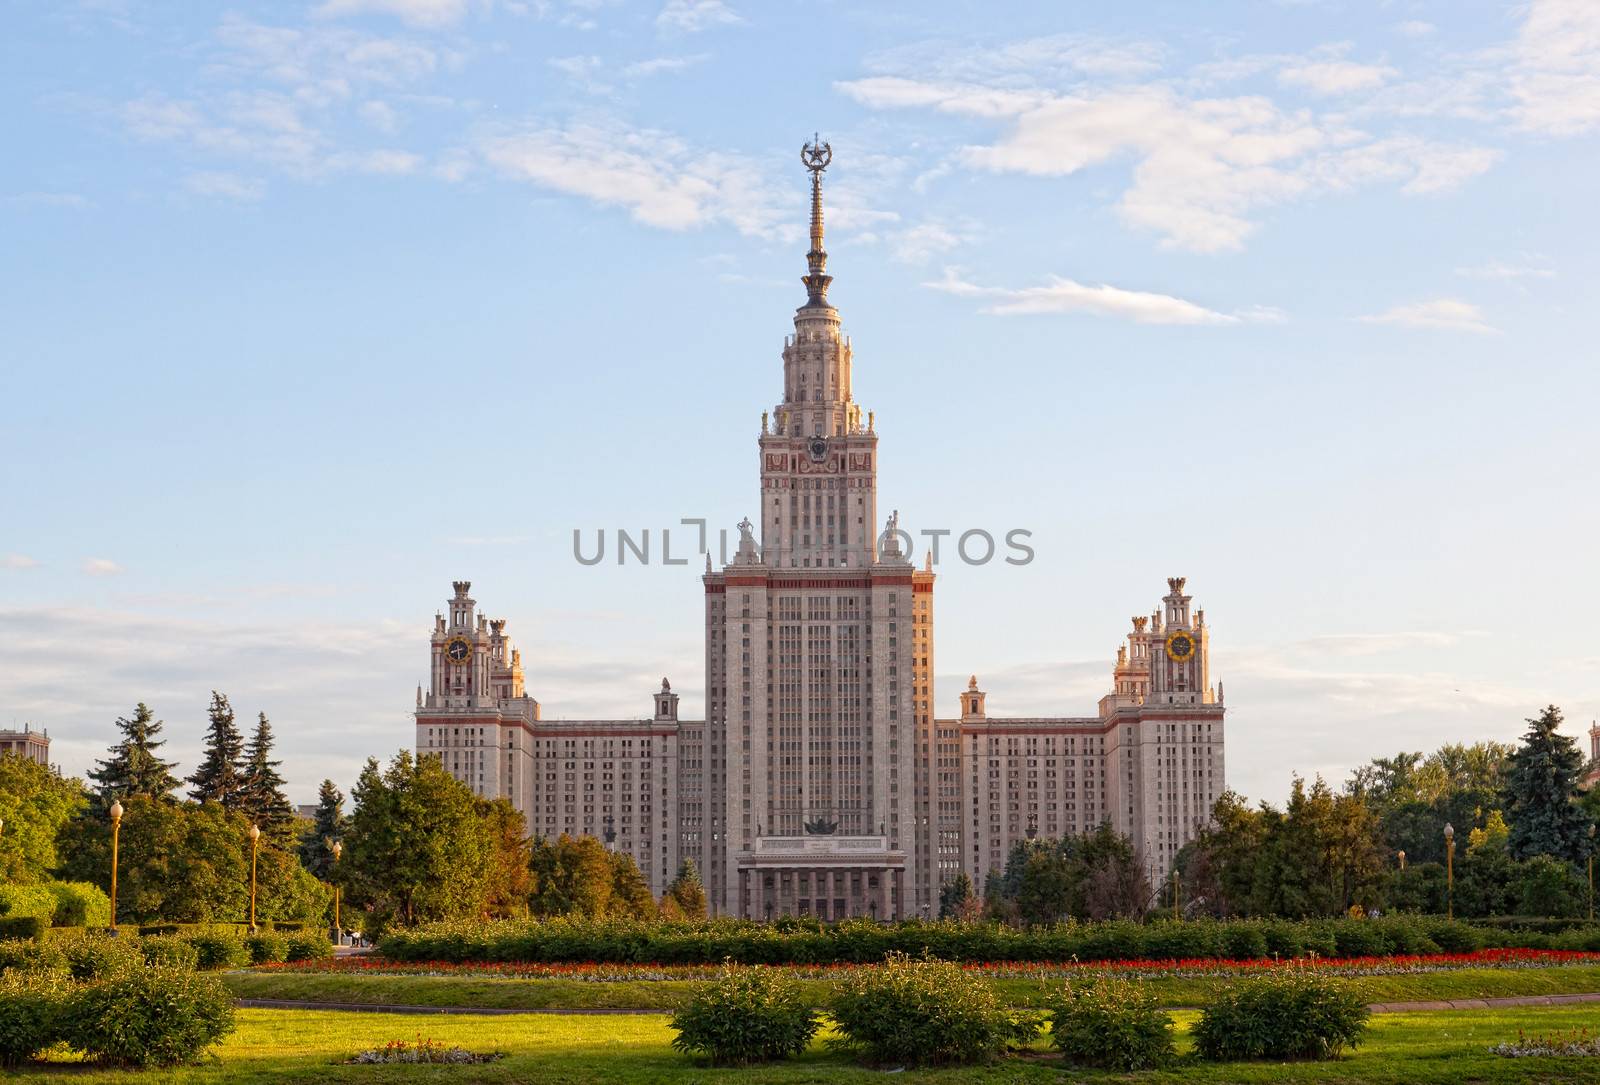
x: 458, y: 651
x: 1180, y: 646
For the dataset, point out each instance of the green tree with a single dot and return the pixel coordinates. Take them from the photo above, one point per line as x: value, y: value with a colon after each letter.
x: 1542, y: 791
x: 687, y: 894
x: 36, y: 804
x: 416, y: 849
x: 134, y: 767
x: 630, y: 893
x: 1549, y: 886
x: 328, y: 823
x: 510, y: 875
x: 261, y: 797
x: 956, y: 897
x: 220, y: 778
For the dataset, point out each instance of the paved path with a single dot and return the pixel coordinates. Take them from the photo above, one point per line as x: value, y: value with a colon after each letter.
x: 1376, y: 1007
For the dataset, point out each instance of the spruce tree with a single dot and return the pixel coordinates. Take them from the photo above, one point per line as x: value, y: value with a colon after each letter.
x: 1542, y: 792
x: 219, y: 778
x: 328, y: 823
x: 687, y: 893
x: 134, y: 767
x: 261, y: 797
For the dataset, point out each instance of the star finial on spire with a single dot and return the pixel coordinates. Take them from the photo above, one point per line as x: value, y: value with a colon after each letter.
x: 816, y: 156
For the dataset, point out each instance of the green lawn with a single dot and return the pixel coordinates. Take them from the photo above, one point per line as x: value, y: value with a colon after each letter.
x: 281, y: 1046
x: 539, y: 994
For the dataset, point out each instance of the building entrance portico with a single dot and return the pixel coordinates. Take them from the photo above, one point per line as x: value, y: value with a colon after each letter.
x: 829, y: 877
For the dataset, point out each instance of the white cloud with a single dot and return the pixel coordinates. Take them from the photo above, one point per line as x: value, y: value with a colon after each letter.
x: 429, y: 13
x: 1556, y: 74
x: 1203, y: 167
x: 655, y: 176
x: 1440, y: 314
x: 226, y: 186
x: 380, y: 114
x: 923, y: 242
x: 17, y: 561
x: 1415, y: 28
x: 1332, y: 77
x: 101, y: 567
x: 1061, y: 295
x: 1500, y: 271
x: 693, y: 16
x: 642, y: 69
x: 1054, y: 58
x: 584, y: 71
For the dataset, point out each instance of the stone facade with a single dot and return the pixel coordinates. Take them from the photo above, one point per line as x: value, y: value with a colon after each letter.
x: 28, y: 743
x: 821, y: 781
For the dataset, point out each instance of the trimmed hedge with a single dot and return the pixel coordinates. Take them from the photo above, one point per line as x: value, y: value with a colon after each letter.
x: 17, y: 927
x: 1294, y: 1014
x: 926, y: 1012
x: 1111, y: 1023
x: 309, y: 946
x: 30, y: 1010
x: 808, y: 941
x: 79, y: 904
x: 27, y: 900
x: 148, y: 1017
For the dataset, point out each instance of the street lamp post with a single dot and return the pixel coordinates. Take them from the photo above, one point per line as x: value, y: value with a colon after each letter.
x: 1402, y: 855
x: 1449, y: 871
x: 255, y: 846
x: 336, y: 849
x: 116, y: 831
x: 1177, y: 912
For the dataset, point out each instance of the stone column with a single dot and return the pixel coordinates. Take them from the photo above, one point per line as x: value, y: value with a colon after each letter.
x: 884, y: 907
x: 757, y: 908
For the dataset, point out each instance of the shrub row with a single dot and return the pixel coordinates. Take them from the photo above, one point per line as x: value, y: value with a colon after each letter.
x: 60, y: 904
x: 861, y: 941
x: 95, y: 954
x: 141, y: 1016
x: 931, y: 1012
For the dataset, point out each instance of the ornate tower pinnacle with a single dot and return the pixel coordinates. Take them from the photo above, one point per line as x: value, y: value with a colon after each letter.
x: 816, y: 155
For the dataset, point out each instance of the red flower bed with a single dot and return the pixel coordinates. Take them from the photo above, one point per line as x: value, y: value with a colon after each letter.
x: 1201, y: 966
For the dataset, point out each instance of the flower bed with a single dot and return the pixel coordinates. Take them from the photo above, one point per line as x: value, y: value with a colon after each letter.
x: 1182, y: 968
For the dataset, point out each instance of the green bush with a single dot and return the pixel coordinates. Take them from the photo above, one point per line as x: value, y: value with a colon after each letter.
x: 32, y: 956
x: 1244, y: 942
x: 96, y: 956
x: 309, y: 946
x: 267, y: 947
x: 170, y: 951
x: 1292, y: 1014
x: 149, y: 1017
x: 18, y: 927
x: 30, y: 1011
x: 925, y: 1011
x: 1358, y: 938
x: 1111, y: 1023
x: 158, y: 928
x: 79, y: 904
x: 27, y: 900
x: 745, y: 1015
x: 218, y: 950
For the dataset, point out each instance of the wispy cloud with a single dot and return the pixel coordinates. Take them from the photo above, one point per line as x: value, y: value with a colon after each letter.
x: 428, y: 13
x: 693, y: 16
x: 1062, y: 295
x: 643, y: 69
x: 225, y: 186
x: 1556, y: 74
x: 1333, y: 77
x: 48, y: 199
x: 1439, y: 314
x: 1204, y: 168
x: 1501, y: 271
x: 100, y: 567
x: 617, y: 166
x: 17, y: 561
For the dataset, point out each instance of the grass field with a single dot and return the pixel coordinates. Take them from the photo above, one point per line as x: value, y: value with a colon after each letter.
x: 281, y: 1046
x: 540, y: 994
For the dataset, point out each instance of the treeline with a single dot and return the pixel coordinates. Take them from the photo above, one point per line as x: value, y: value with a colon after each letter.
x: 1522, y: 834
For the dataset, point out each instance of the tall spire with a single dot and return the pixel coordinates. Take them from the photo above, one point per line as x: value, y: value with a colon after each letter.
x: 816, y: 155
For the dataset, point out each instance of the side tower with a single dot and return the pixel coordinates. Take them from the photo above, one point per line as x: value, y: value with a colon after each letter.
x: 818, y: 659
x: 476, y: 715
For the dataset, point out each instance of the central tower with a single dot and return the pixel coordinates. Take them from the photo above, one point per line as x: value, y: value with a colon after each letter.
x: 819, y: 654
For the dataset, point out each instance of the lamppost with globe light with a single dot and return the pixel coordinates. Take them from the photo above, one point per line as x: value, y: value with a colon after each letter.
x: 1449, y: 871
x: 1402, y: 856
x: 336, y: 849
x: 1591, y: 871
x: 255, y: 846
x: 116, y: 832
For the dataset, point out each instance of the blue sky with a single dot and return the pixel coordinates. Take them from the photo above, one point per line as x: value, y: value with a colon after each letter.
x: 308, y: 309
